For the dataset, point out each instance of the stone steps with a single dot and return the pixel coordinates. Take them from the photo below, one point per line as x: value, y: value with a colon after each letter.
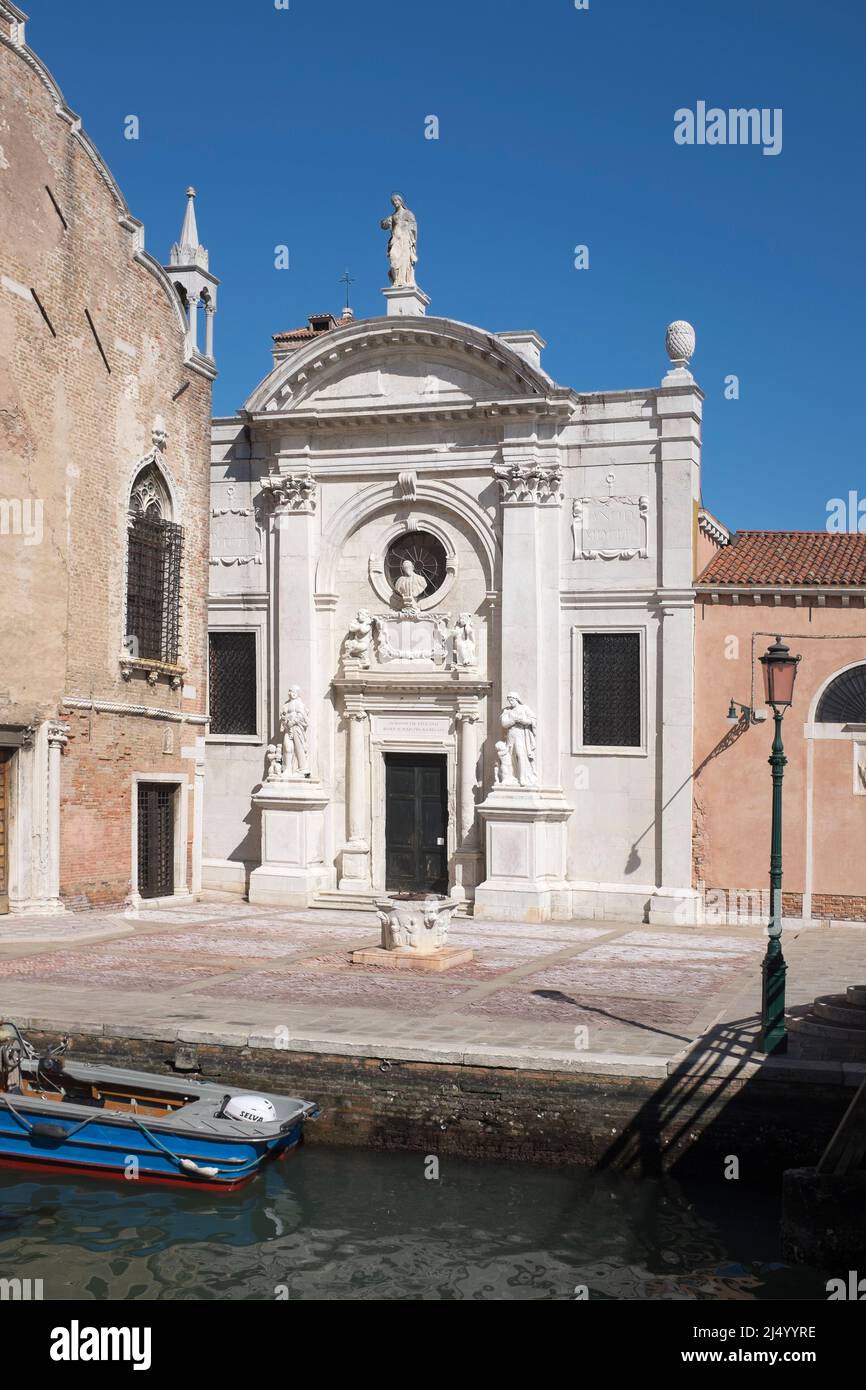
x: 833, y: 1029
x: 346, y: 902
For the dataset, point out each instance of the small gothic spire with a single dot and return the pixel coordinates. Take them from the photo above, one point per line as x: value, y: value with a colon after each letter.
x: 187, y: 251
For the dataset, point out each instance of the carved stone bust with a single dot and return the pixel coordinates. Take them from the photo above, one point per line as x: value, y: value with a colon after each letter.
x: 410, y: 586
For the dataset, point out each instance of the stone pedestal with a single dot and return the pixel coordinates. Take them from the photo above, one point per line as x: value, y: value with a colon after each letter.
x: 403, y: 300
x: 524, y: 832
x: 404, y: 958
x: 293, y: 867
x: 674, y: 907
x: 414, y: 933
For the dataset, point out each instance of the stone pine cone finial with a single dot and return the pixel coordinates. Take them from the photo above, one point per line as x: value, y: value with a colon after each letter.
x: 680, y: 342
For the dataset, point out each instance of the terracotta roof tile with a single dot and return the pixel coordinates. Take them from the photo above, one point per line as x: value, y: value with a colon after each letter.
x: 781, y: 558
x: 297, y: 335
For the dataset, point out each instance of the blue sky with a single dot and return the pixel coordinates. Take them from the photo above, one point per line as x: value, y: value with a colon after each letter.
x: 555, y: 130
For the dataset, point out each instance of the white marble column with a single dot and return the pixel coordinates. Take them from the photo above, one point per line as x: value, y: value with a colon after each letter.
x: 58, y: 735
x: 198, y: 817
x: 524, y: 826
x: 678, y: 405
x: 293, y: 809
x: 468, y: 756
x: 208, y: 330
x: 356, y: 852
x: 531, y: 523
x: 293, y: 615
x: 192, y: 312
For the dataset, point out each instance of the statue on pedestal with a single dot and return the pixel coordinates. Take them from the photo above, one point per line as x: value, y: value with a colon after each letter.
x: 294, y: 722
x: 521, y: 725
x: 402, y: 243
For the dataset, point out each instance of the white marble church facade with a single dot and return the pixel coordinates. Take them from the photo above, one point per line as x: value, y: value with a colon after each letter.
x: 560, y: 522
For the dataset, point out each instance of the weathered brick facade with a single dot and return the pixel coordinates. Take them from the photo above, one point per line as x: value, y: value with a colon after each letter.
x: 95, y: 357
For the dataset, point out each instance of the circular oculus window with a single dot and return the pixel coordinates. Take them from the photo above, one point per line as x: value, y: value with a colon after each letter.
x: 426, y: 553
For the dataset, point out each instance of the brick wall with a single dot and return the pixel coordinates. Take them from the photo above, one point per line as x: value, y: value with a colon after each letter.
x: 103, y: 753
x: 74, y: 427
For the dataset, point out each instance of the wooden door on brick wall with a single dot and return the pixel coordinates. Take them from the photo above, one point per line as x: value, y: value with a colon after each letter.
x: 5, y: 763
x: 155, y: 839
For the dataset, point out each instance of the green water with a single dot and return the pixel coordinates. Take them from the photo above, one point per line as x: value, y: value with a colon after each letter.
x: 349, y: 1225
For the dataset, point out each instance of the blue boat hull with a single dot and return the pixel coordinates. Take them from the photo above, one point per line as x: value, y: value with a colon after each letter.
x: 124, y: 1151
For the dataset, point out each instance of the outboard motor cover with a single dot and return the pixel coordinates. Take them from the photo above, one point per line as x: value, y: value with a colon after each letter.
x: 256, y: 1108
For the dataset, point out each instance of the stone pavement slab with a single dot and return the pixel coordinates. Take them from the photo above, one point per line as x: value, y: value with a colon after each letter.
x: 611, y: 998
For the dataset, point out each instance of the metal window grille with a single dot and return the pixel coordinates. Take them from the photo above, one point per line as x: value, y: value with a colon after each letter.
x: 155, y: 840
x: 153, y: 587
x: 844, y: 700
x: 232, y: 672
x: 611, y: 689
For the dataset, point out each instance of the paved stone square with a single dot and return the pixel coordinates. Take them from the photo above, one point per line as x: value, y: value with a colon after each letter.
x: 578, y: 996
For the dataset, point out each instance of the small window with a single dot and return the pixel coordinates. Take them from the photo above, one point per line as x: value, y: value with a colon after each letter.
x: 844, y: 700
x: 232, y: 672
x: 611, y: 690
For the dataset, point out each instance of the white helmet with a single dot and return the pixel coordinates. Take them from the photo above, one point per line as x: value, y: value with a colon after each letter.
x: 256, y: 1108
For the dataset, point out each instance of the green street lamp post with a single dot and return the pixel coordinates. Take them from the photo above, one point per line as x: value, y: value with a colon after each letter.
x: 780, y: 670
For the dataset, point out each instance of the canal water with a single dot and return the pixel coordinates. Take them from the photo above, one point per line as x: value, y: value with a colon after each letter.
x: 339, y: 1224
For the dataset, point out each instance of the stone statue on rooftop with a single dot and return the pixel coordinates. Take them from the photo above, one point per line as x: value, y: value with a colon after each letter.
x: 402, y: 243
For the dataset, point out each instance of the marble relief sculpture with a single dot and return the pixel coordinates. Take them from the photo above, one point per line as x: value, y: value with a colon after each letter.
x: 402, y: 243
x: 294, y: 724
x: 464, y: 641
x: 521, y: 726
x: 410, y: 586
x: 503, y: 773
x: 359, y: 638
x: 274, y: 761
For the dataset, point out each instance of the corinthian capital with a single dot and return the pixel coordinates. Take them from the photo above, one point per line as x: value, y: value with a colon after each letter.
x: 530, y: 482
x: 292, y: 492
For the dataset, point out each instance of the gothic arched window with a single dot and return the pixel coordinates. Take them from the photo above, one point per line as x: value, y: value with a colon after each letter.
x: 155, y: 547
x: 844, y: 700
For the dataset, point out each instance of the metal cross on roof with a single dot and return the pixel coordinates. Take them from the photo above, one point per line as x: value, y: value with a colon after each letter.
x: 347, y: 280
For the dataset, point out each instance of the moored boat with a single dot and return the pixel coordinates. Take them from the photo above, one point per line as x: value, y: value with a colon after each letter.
x: 58, y: 1114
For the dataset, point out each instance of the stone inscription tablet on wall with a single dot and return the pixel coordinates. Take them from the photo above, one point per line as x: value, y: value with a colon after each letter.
x: 411, y: 729
x: 609, y: 528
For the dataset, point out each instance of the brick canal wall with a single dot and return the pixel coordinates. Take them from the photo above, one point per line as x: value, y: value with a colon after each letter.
x: 640, y: 1125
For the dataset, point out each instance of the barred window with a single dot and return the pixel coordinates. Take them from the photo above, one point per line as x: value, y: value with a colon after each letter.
x: 154, y: 552
x: 153, y: 588
x: 611, y: 690
x: 232, y: 670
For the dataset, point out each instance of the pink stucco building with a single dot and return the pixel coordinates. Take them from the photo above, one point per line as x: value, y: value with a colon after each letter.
x: 809, y: 587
